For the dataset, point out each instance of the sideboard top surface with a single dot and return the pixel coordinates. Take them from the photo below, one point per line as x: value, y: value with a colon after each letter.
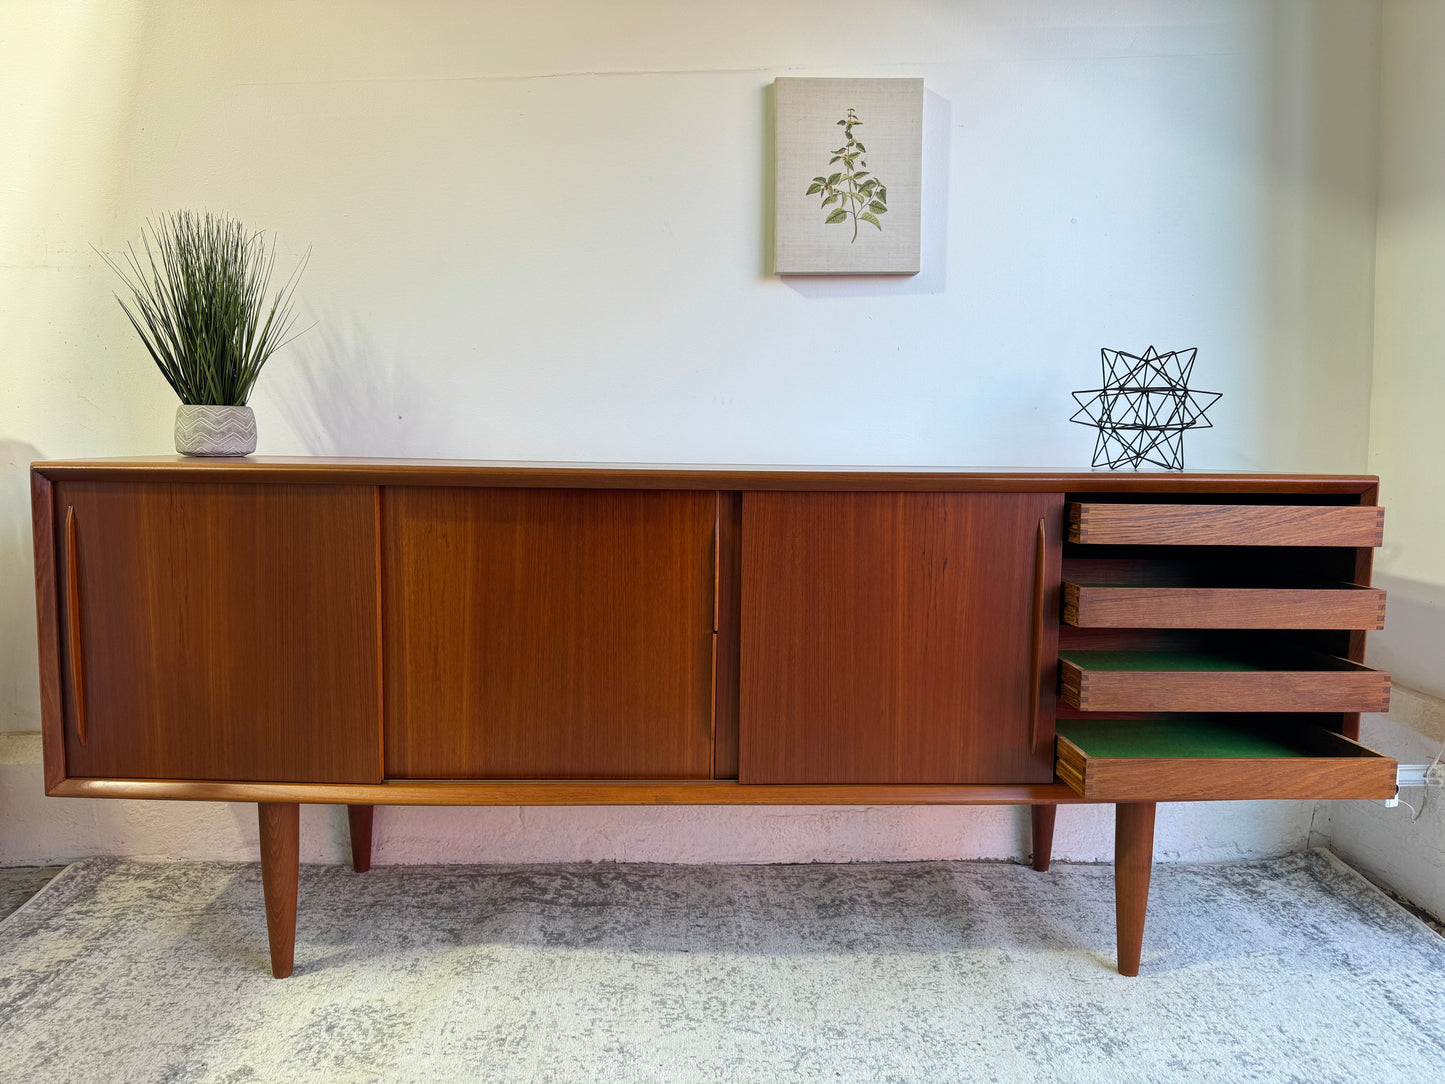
x: 281, y: 469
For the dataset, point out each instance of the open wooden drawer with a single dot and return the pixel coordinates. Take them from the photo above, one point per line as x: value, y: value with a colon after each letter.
x: 1140, y: 606
x: 1225, y: 524
x: 1200, y: 680
x: 1205, y: 758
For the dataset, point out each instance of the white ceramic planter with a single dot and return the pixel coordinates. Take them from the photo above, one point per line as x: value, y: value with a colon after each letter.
x: 215, y: 430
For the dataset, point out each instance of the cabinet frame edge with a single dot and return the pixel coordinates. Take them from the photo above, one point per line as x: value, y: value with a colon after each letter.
x: 575, y: 792
x: 47, y: 621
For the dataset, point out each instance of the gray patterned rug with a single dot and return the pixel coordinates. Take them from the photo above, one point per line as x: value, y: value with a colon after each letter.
x: 1290, y: 970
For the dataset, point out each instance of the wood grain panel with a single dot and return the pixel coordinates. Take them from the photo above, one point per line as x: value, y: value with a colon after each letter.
x: 1344, y: 607
x: 1341, y: 686
x: 229, y: 631
x: 548, y: 633
x: 1225, y: 524
x: 1341, y: 769
x: 887, y: 638
x: 729, y: 633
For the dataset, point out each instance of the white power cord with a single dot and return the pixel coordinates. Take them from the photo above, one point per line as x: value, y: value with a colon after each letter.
x: 1425, y: 781
x: 1429, y: 780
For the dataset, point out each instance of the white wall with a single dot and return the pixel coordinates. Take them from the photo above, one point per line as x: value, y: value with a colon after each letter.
x: 1407, y: 437
x: 539, y: 232
x: 1407, y: 450
x: 1407, y: 434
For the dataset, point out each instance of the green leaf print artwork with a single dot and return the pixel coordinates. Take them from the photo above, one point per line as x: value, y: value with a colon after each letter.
x: 860, y: 195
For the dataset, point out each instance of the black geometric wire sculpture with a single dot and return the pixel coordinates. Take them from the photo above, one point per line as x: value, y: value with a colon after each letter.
x: 1144, y: 408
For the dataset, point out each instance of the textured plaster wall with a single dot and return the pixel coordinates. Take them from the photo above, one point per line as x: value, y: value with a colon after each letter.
x: 539, y: 232
x: 1394, y: 845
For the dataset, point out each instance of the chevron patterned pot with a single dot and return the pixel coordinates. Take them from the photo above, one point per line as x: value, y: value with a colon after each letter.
x: 215, y: 430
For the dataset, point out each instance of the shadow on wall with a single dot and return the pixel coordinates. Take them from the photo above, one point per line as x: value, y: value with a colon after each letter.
x: 1317, y: 150
x: 19, y: 682
x: 932, y: 277
x: 1412, y: 644
x: 342, y: 396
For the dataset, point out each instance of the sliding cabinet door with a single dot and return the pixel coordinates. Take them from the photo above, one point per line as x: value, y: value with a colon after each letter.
x: 220, y: 632
x: 548, y: 633
x: 899, y: 637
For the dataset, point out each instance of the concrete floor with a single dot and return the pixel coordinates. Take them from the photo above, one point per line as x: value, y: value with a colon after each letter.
x: 19, y: 883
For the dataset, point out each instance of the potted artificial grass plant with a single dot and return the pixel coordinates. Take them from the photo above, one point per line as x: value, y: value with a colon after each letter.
x: 199, y: 303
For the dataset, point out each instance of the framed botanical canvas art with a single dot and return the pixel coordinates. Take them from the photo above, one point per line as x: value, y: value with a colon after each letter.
x: 849, y: 175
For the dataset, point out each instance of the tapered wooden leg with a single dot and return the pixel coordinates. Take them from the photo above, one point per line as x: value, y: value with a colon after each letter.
x: 359, y: 817
x: 1043, y: 821
x: 280, y: 868
x: 1133, y: 860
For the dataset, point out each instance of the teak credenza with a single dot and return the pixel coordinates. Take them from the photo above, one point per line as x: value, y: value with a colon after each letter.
x: 366, y: 632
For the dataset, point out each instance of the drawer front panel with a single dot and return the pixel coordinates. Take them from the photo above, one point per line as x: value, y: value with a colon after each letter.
x: 1117, y: 760
x: 1102, y: 523
x: 1099, y: 607
x: 1341, y: 686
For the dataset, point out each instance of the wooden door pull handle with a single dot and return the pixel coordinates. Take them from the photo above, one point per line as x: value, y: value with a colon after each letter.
x: 1036, y: 648
x: 72, y: 621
